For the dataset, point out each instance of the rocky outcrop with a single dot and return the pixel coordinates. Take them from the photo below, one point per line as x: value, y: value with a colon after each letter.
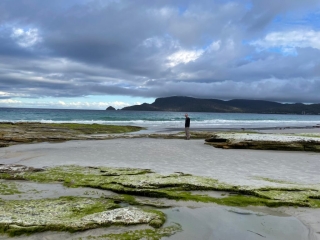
x: 110, y: 108
x: 304, y: 145
x: 216, y: 139
x: 14, y: 168
x: 25, y: 132
x: 69, y: 214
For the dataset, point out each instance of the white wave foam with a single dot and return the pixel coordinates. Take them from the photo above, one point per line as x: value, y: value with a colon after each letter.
x: 215, y: 123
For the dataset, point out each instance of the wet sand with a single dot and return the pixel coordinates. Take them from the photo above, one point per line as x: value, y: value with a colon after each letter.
x: 294, y: 130
x: 237, y: 167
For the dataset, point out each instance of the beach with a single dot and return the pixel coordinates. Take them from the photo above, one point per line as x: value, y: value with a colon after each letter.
x: 235, y: 167
x: 166, y: 156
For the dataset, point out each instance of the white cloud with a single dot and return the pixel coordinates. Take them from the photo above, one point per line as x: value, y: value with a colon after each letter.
x: 62, y: 104
x: 26, y: 38
x: 91, y: 105
x: 5, y: 94
x: 214, y: 46
x: 161, y: 42
x: 153, y: 42
x: 8, y: 95
x: 183, y: 56
x: 9, y: 101
x: 288, y: 41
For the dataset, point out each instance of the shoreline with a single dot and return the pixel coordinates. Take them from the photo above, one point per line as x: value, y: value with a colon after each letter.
x: 247, y: 168
x: 294, y: 129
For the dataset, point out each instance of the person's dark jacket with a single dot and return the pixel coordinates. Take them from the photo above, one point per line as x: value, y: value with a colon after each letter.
x: 187, y: 122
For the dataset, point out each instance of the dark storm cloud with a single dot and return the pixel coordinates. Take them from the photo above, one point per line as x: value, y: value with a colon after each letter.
x: 210, y: 49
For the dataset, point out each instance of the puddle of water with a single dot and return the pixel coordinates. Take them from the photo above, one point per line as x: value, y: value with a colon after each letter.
x: 90, y: 234
x: 215, y: 194
x: 32, y: 190
x: 232, y: 223
x: 203, y: 222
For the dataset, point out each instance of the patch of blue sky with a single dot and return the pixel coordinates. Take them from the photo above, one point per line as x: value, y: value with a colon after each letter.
x: 182, y: 9
x: 309, y: 20
x: 313, y: 20
x: 246, y: 42
x: 206, y: 44
x: 249, y: 58
x: 248, y: 6
x: 206, y: 41
x: 285, y: 51
x: 71, y: 3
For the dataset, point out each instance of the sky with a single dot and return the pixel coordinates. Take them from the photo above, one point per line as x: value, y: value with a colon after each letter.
x: 91, y: 54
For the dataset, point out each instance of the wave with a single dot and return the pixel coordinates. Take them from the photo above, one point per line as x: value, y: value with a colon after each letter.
x: 222, y: 123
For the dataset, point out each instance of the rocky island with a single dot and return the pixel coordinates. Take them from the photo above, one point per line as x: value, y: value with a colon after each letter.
x: 110, y: 108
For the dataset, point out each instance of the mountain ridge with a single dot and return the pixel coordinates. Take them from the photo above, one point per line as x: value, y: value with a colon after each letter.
x: 190, y: 104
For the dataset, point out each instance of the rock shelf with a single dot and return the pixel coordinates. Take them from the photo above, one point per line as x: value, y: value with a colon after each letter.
x: 265, y: 142
x: 178, y: 186
x: 69, y: 214
x: 32, y: 132
x: 130, y: 206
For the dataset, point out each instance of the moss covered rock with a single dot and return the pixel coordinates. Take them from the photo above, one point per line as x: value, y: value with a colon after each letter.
x: 69, y: 214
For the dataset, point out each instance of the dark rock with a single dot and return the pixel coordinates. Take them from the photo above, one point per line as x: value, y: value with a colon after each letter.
x: 214, y: 138
x: 13, y: 168
x: 111, y: 108
x: 309, y: 146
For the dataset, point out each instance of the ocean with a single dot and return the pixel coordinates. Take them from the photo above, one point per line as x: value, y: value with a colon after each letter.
x: 158, y: 120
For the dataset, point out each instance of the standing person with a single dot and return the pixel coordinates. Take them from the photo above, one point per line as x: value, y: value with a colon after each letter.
x: 187, y: 126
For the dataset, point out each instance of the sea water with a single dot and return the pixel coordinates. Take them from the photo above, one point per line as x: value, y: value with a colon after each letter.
x: 158, y: 120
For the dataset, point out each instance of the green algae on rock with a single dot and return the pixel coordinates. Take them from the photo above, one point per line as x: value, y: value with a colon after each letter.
x: 8, y: 188
x: 69, y: 214
x: 107, y: 171
x: 28, y: 132
x: 150, y: 234
x: 177, y: 186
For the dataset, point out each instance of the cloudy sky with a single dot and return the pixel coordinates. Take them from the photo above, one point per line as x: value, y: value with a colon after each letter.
x: 95, y: 53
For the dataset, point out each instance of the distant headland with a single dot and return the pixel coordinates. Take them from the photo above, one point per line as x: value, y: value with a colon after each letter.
x: 189, y: 104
